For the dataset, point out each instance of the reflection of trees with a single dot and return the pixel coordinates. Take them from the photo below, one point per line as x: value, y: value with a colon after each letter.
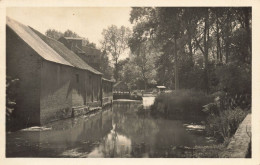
x: 114, y: 144
x: 155, y: 137
x: 132, y: 125
x: 140, y: 129
x: 114, y: 140
x: 171, y: 134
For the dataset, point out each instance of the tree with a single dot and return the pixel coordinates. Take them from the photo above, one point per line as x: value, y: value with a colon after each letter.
x: 205, y: 40
x: 12, y: 85
x: 170, y: 29
x: 115, y: 43
x: 165, y: 67
x: 120, y: 66
x: 52, y: 33
x: 69, y: 33
x: 164, y: 25
x: 144, y: 57
x: 105, y: 67
x: 86, y: 42
x: 189, y: 22
x: 195, y: 44
x: 130, y: 73
x: 217, y: 16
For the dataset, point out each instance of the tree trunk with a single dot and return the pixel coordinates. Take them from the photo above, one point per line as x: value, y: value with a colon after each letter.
x: 228, y: 31
x: 220, y: 51
x: 116, y: 70
x: 248, y: 31
x: 206, y: 38
x: 190, y: 42
x: 218, y: 42
x: 145, y: 85
x: 176, y: 64
x: 190, y: 50
x: 227, y: 50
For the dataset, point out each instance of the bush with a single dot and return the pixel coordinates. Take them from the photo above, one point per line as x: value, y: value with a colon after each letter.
x: 180, y: 103
x: 235, y: 81
x: 224, y: 124
x: 11, y: 92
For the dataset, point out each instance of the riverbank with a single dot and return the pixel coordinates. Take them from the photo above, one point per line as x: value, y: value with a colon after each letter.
x: 221, y: 120
x: 238, y: 146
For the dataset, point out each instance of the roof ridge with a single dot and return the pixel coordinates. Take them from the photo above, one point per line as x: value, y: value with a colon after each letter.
x: 68, y: 54
x: 32, y: 39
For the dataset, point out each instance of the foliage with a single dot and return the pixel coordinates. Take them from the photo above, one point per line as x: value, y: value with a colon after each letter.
x: 115, y: 42
x: 11, y: 91
x: 159, y: 25
x: 236, y: 81
x: 129, y: 73
x: 184, y: 103
x: 137, y: 72
x: 224, y: 116
x: 196, y: 50
x: 69, y: 33
x: 52, y: 33
x: 105, y: 67
x: 143, y: 57
x: 224, y: 124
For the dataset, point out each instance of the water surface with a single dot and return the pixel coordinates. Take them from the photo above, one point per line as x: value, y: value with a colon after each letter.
x: 119, y: 131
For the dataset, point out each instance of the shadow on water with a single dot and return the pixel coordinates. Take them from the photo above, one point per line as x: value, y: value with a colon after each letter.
x: 116, y: 132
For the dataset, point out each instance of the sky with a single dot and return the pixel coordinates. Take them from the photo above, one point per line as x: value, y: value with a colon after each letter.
x: 87, y: 22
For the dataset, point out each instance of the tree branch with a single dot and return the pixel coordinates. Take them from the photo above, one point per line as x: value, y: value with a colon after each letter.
x: 198, y: 44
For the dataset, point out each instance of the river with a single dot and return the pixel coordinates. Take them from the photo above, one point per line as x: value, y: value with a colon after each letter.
x: 119, y: 131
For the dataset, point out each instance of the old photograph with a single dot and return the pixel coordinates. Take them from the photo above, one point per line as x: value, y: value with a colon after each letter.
x: 128, y: 82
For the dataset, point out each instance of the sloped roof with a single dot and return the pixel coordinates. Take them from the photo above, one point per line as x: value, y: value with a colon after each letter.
x: 91, y: 51
x: 120, y: 84
x: 78, y: 50
x: 67, y: 54
x: 35, y: 42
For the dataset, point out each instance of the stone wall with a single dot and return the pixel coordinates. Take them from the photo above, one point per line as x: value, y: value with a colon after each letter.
x: 240, y: 143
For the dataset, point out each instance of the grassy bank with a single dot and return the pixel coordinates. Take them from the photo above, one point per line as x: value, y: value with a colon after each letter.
x: 221, y: 119
x: 224, y: 124
x: 181, y: 104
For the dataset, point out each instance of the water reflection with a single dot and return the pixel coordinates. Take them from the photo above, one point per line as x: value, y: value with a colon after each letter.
x: 117, y: 132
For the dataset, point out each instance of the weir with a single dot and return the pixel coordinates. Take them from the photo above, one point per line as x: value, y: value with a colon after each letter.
x: 148, y: 102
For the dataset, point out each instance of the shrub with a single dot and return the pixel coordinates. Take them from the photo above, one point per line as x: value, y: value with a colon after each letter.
x: 11, y: 91
x: 184, y: 103
x: 224, y: 124
x: 235, y: 81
